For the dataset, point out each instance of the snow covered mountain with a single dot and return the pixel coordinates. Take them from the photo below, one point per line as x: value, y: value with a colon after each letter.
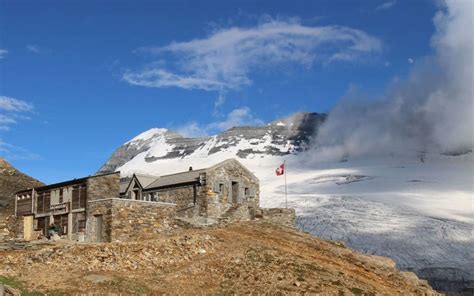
x: 282, y: 137
x: 419, y: 213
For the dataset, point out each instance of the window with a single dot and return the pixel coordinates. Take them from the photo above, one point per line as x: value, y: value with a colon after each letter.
x: 43, y: 202
x: 75, y: 197
x: 221, y: 188
x: 151, y: 196
x: 247, y: 191
x: 79, y: 196
x: 82, y: 190
x: 47, y: 200
x: 80, y: 222
x: 39, y: 203
x: 60, y: 196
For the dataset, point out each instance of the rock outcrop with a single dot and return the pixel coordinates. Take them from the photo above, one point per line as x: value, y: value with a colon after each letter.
x: 11, y: 181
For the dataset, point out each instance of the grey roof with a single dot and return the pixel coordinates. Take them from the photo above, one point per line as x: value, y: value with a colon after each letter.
x: 146, y: 180
x: 174, y: 179
x: 124, y: 186
x: 150, y: 182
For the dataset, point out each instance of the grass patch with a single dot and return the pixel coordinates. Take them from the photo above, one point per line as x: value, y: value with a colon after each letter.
x: 10, y: 281
x: 126, y: 285
x: 17, y: 284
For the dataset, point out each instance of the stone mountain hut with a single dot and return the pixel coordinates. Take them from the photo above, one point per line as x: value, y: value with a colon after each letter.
x: 109, y: 208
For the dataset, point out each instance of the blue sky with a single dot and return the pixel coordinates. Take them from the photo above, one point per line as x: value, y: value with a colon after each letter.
x: 79, y: 78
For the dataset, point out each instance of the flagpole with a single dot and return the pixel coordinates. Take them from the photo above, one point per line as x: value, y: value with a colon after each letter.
x: 286, y: 192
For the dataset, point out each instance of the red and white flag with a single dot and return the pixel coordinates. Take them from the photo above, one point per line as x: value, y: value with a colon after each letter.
x: 280, y: 170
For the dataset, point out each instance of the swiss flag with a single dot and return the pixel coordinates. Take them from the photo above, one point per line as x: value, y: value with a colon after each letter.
x: 280, y: 170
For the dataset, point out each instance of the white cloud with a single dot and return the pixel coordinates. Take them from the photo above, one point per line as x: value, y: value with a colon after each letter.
x: 162, y: 78
x: 15, y: 105
x: 3, y: 53
x: 11, y: 109
x: 410, y: 60
x: 238, y: 117
x: 433, y: 110
x: 10, y: 152
x: 193, y: 129
x: 4, y: 120
x: 225, y: 59
x: 33, y: 48
x: 386, y: 5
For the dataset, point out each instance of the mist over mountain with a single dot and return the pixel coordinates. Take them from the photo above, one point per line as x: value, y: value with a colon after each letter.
x: 432, y: 110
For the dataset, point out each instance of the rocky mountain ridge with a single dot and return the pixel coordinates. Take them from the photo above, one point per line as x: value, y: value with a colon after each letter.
x: 281, y: 137
x: 12, y: 180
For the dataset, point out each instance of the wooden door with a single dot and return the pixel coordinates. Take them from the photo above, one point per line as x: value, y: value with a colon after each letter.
x: 28, y: 227
x: 235, y: 192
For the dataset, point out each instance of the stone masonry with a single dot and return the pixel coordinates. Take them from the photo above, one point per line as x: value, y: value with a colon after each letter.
x: 125, y: 220
x: 245, y: 190
x: 103, y: 186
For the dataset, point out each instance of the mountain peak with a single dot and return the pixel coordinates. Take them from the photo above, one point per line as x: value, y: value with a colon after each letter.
x: 284, y: 136
x: 148, y: 134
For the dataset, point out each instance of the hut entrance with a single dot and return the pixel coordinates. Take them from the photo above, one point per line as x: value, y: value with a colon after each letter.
x: 235, y: 192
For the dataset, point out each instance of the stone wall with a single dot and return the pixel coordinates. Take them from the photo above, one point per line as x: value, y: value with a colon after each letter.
x: 95, y: 209
x: 128, y: 220
x: 281, y: 216
x: 183, y: 197
x: 103, y: 186
x: 14, y: 226
x: 220, y: 201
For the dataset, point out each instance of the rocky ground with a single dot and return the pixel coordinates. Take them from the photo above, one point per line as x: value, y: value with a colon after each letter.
x: 242, y: 258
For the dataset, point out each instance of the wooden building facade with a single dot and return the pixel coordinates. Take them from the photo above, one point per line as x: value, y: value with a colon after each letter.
x: 63, y: 205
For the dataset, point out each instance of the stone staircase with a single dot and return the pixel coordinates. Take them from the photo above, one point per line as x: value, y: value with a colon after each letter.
x: 230, y: 215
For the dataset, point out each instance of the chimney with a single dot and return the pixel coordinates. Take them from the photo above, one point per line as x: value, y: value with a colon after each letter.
x: 190, y: 168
